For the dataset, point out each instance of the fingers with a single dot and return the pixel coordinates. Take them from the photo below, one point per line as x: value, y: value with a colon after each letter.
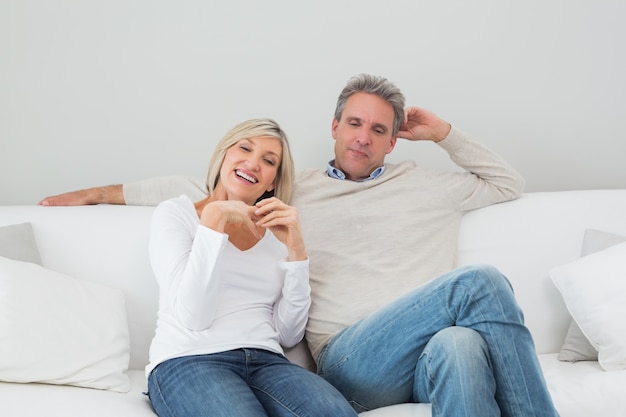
x: 74, y: 198
x: 247, y: 217
x: 250, y: 225
x: 48, y: 201
x: 273, y: 212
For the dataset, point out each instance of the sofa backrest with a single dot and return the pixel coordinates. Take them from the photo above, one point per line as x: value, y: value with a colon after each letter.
x: 527, y: 237
x: 106, y: 244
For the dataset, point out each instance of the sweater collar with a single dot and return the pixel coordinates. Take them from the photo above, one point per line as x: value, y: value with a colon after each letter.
x: 336, y: 173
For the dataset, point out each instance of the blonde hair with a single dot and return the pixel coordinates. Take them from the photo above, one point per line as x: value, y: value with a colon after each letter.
x: 254, y: 128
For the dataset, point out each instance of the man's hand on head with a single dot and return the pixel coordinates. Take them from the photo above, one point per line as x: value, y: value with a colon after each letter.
x: 421, y: 124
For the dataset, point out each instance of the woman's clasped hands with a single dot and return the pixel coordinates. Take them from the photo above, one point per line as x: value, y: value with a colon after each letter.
x: 270, y: 213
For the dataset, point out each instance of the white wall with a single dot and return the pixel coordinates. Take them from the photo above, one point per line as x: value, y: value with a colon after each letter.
x: 99, y: 92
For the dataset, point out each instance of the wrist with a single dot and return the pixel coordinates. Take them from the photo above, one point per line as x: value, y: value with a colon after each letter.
x: 299, y: 255
x: 109, y: 194
x: 442, y: 131
x: 214, y: 217
x: 297, y: 252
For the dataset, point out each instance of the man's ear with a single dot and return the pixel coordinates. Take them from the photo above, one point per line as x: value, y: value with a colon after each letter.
x: 333, y: 128
x: 392, y: 144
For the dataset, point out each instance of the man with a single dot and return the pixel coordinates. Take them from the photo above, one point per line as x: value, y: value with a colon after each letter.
x: 391, y: 321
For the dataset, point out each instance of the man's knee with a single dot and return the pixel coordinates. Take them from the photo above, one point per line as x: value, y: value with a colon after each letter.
x: 457, y: 342
x: 456, y: 354
x: 456, y: 365
x: 485, y: 275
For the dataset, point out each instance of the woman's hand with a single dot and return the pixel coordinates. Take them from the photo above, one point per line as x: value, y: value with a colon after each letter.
x: 282, y: 220
x: 217, y: 214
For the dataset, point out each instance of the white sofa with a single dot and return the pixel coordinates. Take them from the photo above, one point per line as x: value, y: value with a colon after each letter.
x: 525, y: 238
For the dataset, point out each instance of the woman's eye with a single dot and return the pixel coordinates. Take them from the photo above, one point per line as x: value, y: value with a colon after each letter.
x: 244, y: 148
x: 270, y: 162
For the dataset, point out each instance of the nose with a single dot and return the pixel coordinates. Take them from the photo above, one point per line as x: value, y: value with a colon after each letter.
x: 363, y: 136
x: 253, y: 162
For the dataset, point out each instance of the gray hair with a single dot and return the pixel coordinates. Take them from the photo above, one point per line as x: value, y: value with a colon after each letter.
x: 374, y: 84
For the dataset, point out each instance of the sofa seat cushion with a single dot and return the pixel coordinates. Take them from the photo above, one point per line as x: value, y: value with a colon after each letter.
x: 583, y: 389
x: 400, y: 410
x: 28, y: 400
x: 67, y: 401
x: 580, y: 389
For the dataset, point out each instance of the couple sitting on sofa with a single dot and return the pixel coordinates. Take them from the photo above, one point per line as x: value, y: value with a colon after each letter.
x: 382, y: 330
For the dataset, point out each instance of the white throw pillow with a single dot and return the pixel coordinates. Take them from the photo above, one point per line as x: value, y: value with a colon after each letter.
x: 576, y: 347
x: 57, y: 329
x: 594, y: 290
x: 17, y: 241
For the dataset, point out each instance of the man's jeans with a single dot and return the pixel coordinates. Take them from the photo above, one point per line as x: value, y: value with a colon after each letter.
x: 457, y: 342
x: 243, y: 382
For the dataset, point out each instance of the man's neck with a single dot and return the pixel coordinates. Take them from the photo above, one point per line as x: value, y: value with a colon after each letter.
x: 334, y: 172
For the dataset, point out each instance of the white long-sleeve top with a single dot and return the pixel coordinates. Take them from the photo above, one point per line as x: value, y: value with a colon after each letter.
x: 215, y: 297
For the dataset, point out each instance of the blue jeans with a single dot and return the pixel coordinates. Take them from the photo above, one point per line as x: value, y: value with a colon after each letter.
x: 457, y: 342
x: 243, y: 382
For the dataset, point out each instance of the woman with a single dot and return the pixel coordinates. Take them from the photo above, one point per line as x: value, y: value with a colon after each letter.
x: 233, y: 276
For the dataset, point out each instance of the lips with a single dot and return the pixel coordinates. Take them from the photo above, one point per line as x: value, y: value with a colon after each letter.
x: 246, y: 177
x: 358, y: 153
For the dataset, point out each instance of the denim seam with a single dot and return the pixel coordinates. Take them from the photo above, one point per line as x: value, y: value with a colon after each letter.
x: 157, y: 385
x: 276, y: 400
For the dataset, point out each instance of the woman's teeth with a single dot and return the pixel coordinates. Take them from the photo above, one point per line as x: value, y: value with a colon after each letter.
x: 245, y: 177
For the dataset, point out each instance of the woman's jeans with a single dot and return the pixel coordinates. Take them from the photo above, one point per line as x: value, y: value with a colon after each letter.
x: 457, y: 342
x: 243, y: 382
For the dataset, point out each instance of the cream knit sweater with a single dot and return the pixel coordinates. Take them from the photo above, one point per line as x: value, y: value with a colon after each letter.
x: 370, y: 242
